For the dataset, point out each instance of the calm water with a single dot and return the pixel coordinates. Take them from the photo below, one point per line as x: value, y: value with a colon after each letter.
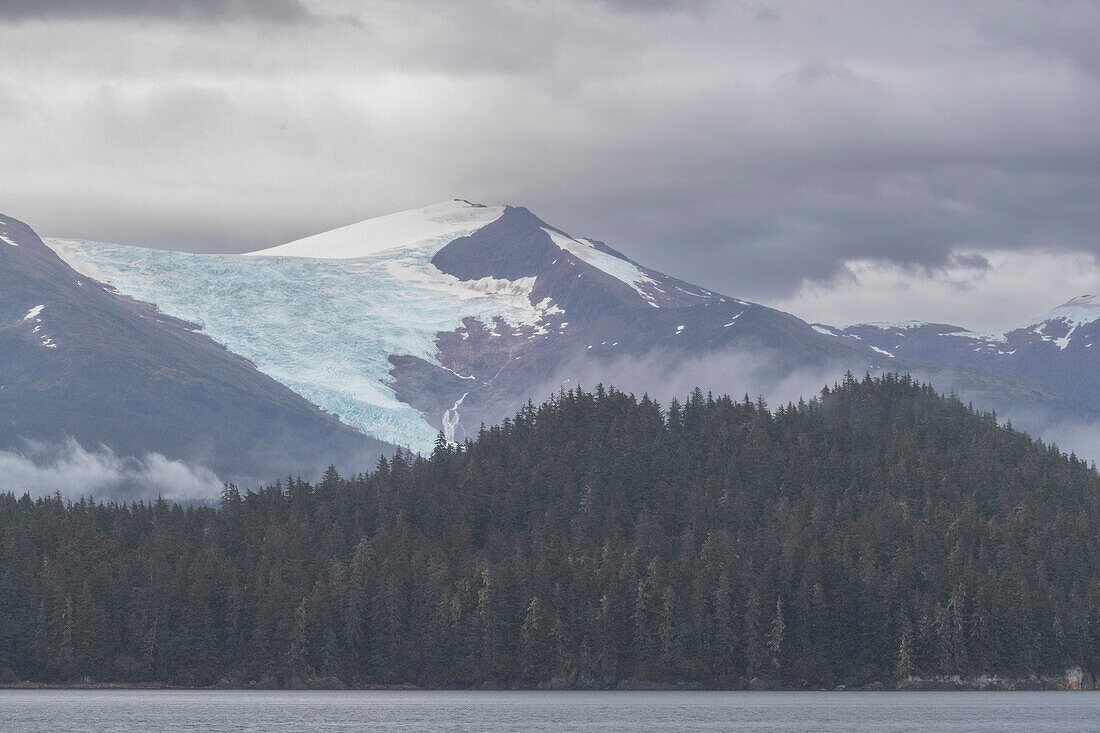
x: 28, y: 711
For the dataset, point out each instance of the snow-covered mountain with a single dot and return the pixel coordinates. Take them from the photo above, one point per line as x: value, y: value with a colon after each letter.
x: 80, y: 362
x: 453, y: 315
x: 443, y: 317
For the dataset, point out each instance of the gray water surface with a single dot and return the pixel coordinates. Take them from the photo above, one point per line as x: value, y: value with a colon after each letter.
x: 164, y: 711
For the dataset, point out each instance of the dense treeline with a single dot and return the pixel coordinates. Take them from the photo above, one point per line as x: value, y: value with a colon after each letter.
x: 877, y: 532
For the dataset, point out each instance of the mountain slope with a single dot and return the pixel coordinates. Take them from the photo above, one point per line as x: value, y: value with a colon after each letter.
x: 448, y: 316
x: 79, y: 361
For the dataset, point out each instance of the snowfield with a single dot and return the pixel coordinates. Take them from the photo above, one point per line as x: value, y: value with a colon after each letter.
x: 437, y: 224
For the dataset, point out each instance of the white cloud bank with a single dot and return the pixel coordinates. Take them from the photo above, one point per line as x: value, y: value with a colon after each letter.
x: 74, y: 471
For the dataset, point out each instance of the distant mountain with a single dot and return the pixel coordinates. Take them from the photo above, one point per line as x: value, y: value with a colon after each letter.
x: 448, y: 316
x: 78, y: 361
x: 1039, y: 369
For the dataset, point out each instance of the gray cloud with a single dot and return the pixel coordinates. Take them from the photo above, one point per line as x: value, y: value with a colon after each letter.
x: 970, y: 261
x: 821, y: 72
x: 634, y: 6
x: 74, y: 472
x: 745, y: 146
x: 1080, y: 438
x: 1064, y: 32
x: 664, y: 377
x: 205, y: 11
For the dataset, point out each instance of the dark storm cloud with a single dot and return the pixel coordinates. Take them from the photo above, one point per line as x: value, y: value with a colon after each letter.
x: 748, y: 146
x: 278, y: 11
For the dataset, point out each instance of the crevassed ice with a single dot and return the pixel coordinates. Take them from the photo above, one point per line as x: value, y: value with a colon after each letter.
x: 323, y: 327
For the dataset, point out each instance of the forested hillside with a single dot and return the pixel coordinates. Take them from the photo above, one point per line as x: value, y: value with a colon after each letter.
x: 879, y: 531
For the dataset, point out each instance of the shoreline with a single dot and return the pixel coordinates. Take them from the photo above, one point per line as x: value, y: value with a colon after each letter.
x: 1073, y: 681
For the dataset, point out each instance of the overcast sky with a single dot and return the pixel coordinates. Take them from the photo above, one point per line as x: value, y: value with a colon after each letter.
x: 844, y: 160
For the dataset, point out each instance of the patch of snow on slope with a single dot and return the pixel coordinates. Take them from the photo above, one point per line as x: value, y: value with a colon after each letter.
x: 882, y: 351
x: 616, y: 267
x: 32, y: 315
x: 8, y: 241
x: 323, y: 327
x: 733, y: 320
x: 436, y: 224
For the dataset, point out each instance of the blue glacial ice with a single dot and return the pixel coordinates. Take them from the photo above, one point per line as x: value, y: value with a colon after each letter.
x: 325, y: 328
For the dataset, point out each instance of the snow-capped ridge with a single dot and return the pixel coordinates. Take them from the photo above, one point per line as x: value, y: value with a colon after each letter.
x: 621, y: 269
x: 428, y: 226
x: 1082, y: 309
x: 1074, y: 313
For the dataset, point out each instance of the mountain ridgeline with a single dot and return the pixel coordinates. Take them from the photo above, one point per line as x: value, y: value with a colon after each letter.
x: 877, y: 532
x: 335, y: 348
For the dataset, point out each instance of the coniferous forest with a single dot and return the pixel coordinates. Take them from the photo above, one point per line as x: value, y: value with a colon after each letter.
x: 877, y: 532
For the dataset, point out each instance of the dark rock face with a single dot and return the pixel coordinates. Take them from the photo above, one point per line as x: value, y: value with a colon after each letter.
x: 78, y: 361
x: 512, y: 247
